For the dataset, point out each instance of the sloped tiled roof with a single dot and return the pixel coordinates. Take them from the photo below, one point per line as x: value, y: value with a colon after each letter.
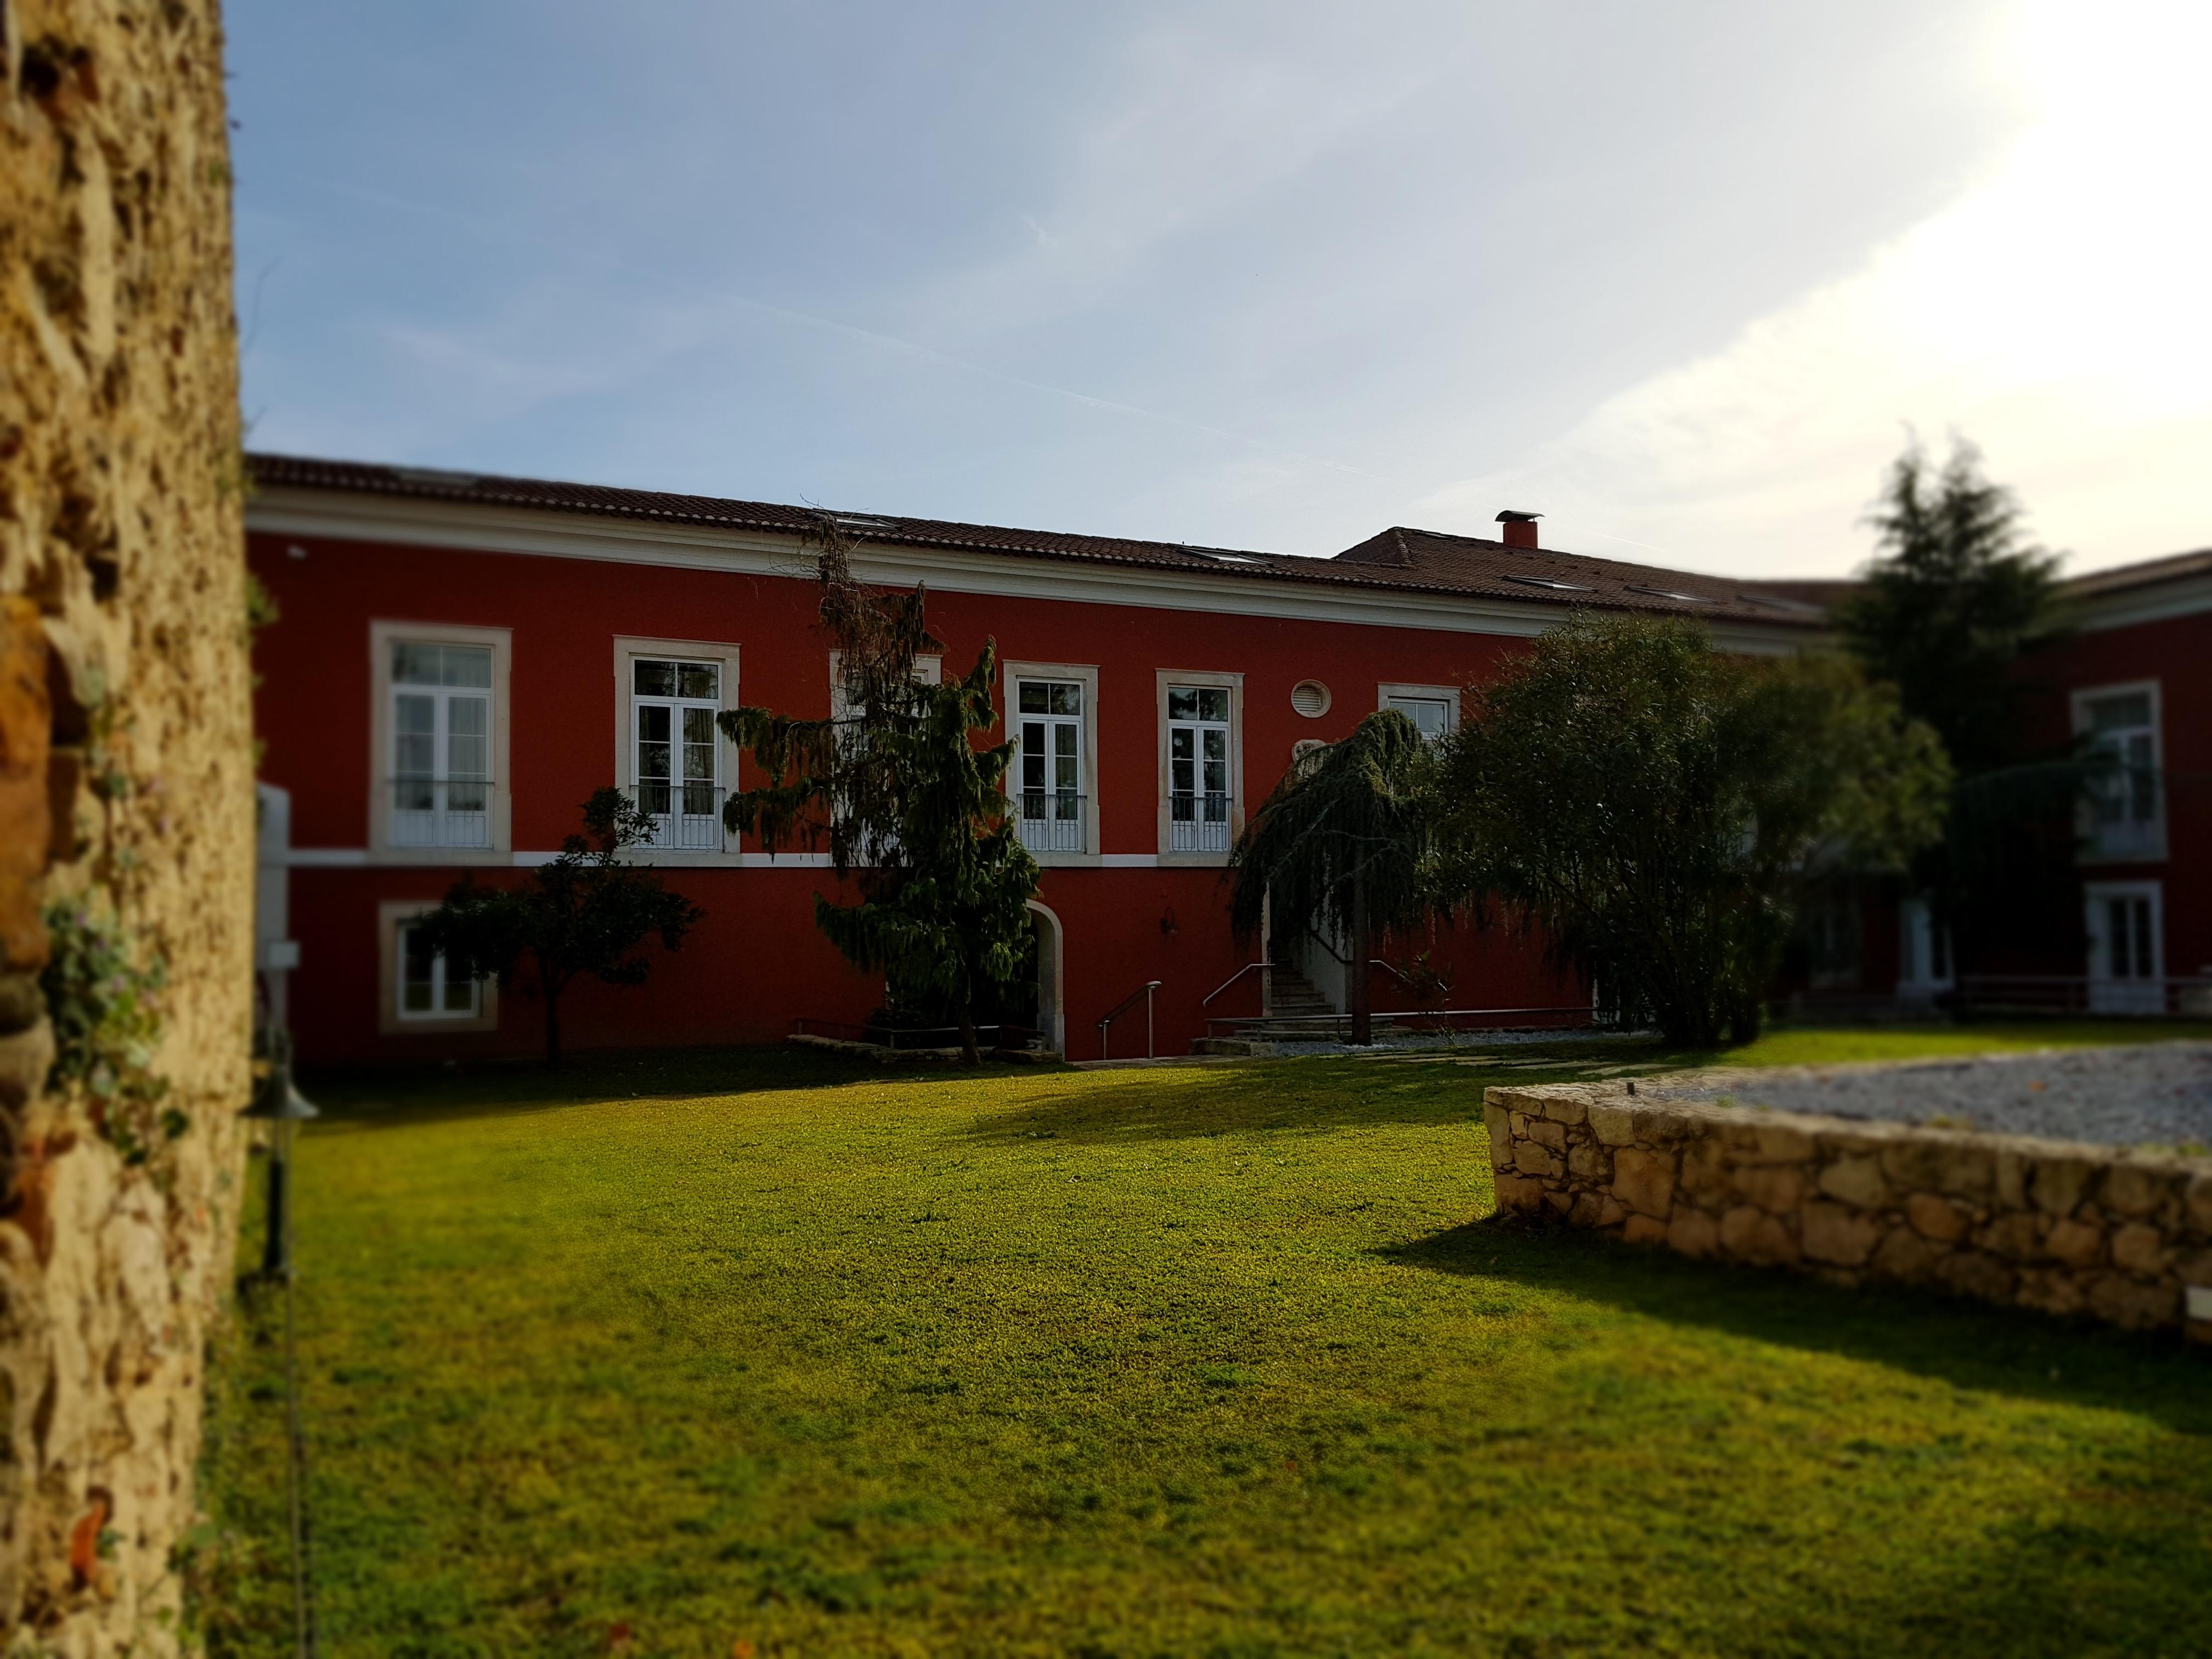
x: 2149, y: 574
x: 1398, y: 560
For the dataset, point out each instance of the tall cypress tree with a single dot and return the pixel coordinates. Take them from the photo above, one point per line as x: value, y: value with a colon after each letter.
x: 913, y: 812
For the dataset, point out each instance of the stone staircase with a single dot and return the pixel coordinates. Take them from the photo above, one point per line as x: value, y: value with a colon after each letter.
x: 1299, y: 1014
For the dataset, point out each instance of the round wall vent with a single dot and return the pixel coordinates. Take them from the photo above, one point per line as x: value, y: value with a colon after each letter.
x: 1309, y: 698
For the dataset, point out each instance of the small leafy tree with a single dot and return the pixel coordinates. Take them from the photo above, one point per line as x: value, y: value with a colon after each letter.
x: 1657, y: 807
x: 915, y: 813
x: 1341, y: 846
x: 586, y: 912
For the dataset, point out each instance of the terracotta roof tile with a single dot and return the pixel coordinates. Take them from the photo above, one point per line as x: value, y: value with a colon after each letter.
x: 1399, y: 559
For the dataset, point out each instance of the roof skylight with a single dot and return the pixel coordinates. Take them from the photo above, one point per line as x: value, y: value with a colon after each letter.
x: 1669, y: 593
x: 1547, y: 582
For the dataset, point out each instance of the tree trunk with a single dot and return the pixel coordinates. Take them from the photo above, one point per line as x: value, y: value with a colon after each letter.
x: 1358, y: 1003
x: 969, y: 1052
x: 552, y: 1021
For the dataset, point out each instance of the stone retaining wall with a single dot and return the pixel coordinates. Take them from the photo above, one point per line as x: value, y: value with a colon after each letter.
x: 2060, y: 1226
x: 126, y: 802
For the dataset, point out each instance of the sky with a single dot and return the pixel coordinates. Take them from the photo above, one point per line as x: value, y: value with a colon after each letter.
x: 1683, y: 278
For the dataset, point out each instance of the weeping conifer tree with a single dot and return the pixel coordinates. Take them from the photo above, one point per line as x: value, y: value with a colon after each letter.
x: 1340, y: 847
x: 913, y: 812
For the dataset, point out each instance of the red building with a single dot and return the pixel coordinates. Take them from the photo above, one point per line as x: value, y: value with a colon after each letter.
x: 461, y: 661
x: 2130, y: 671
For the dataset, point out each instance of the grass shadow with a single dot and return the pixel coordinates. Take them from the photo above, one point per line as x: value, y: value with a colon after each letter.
x: 419, y: 1092
x: 1970, y: 1345
x: 1291, y: 1096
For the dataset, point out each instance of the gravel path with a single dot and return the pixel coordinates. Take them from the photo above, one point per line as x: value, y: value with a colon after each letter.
x: 2156, y: 1094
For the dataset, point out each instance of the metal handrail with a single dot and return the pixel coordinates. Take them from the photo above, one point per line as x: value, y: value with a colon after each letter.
x: 1207, y: 1001
x: 435, y: 812
x: 1381, y: 1015
x: 1106, y: 1036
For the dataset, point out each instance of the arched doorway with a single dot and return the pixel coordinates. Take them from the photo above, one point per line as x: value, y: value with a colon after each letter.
x: 1051, y: 1015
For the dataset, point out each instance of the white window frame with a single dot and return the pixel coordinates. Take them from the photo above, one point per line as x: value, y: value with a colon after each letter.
x: 1165, y: 679
x: 2130, y: 844
x: 2131, y: 992
x: 1015, y: 674
x: 383, y: 744
x: 392, y: 918
x: 1446, y: 695
x: 628, y: 648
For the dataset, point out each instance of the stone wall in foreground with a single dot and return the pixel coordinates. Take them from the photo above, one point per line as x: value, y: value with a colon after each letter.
x: 2060, y: 1226
x: 126, y: 806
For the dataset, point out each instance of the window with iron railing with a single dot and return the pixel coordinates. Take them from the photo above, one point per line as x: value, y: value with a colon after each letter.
x: 1199, y: 804
x: 1048, y: 766
x: 2125, y: 819
x: 677, y: 753
x: 441, y: 732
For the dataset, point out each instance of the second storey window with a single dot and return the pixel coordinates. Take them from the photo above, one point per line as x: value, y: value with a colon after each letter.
x: 442, y: 743
x: 1197, y: 769
x: 1435, y: 713
x: 2123, y: 728
x: 673, y: 704
x: 1048, y: 764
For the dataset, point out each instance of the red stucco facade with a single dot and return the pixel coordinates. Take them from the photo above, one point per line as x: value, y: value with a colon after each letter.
x: 757, y: 962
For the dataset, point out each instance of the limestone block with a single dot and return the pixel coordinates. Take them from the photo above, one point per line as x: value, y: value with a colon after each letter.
x: 2061, y: 1181
x: 1936, y: 1217
x: 1517, y: 1124
x: 1611, y: 1212
x: 1751, y: 1234
x: 2137, y: 1190
x: 1500, y: 1125
x: 1784, y: 1142
x: 1838, y: 1234
x: 1515, y: 1193
x: 1692, y: 1231
x: 2054, y: 1292
x: 1589, y: 1161
x: 2076, y: 1243
x: 1857, y: 1179
x: 2012, y: 1168
x: 2016, y: 1237
x: 2141, y: 1249
x: 1532, y: 1159
x: 1545, y: 1133
x: 1558, y: 1202
x: 2132, y: 1304
x: 1566, y: 1109
x: 1777, y: 1188
x: 1613, y: 1125
x: 1643, y: 1230
x: 1972, y: 1272
x: 1705, y: 1172
x: 1644, y: 1181
x: 2198, y: 1204
x: 2194, y: 1269
x: 1585, y: 1210
x: 1905, y: 1256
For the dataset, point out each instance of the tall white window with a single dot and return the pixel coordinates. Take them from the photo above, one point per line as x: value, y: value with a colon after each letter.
x: 432, y: 986
x: 441, y: 744
x: 1048, y: 764
x: 2123, y: 728
x: 1433, y: 710
x: 673, y: 704
x: 2127, y: 957
x: 1197, y: 769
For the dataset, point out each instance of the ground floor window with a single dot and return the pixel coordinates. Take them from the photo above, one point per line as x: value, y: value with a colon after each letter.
x: 2126, y: 925
x: 431, y: 985
x: 424, y: 992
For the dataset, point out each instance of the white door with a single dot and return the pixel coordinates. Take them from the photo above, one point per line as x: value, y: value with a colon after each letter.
x: 2127, y: 947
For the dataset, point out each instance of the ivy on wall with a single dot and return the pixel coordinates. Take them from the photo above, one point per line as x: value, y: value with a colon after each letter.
x: 104, y: 998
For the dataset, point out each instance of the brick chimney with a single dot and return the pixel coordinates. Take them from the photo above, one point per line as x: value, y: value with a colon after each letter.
x: 1520, y: 527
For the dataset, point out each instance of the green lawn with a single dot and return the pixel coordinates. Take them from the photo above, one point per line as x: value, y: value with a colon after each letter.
x: 747, y: 1348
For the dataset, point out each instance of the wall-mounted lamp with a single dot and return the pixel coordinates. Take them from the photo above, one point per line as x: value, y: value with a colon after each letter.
x: 1168, y: 923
